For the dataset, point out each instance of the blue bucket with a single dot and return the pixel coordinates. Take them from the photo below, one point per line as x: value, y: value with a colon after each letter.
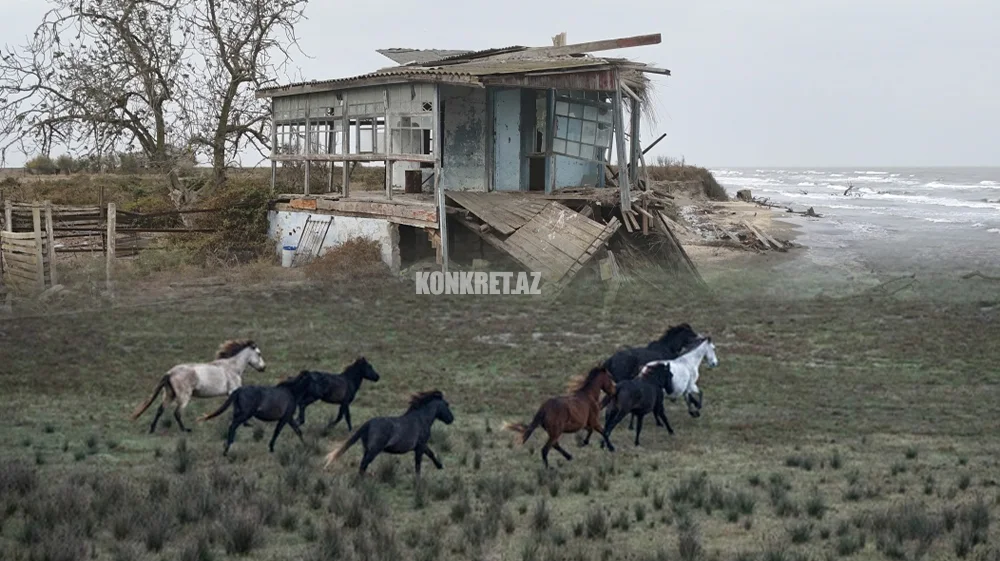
x: 289, y: 248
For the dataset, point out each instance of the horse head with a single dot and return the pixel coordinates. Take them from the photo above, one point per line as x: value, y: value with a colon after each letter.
x: 605, y: 381
x: 710, y: 356
x: 256, y: 359
x: 368, y: 372
x: 444, y: 413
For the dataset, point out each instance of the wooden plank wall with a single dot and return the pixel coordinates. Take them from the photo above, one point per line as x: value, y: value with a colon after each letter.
x: 22, y: 254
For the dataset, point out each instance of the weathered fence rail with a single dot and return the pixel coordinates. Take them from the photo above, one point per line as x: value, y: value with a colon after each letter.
x: 32, y: 233
x: 27, y: 259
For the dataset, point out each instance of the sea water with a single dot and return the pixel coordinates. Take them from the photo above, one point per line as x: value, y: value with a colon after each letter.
x: 918, y: 220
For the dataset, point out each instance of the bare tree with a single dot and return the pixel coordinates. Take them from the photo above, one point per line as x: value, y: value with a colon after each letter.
x: 160, y: 77
x: 242, y: 44
x: 98, y: 73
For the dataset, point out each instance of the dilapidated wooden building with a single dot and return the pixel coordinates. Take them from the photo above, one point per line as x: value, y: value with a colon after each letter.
x: 508, y: 146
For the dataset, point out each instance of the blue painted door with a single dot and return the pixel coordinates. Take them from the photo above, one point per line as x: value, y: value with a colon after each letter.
x: 507, y: 140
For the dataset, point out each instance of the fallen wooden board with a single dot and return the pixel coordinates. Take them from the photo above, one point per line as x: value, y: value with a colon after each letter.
x: 756, y: 234
x: 504, y: 212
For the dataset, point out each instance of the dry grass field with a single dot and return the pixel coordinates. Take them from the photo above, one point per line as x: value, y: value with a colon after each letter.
x: 833, y: 429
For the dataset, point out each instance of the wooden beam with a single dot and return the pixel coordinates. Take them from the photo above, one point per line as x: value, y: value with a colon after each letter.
x: 50, y: 240
x: 422, y: 158
x: 652, y: 70
x: 630, y: 93
x: 438, y: 187
x: 109, y: 254
x: 619, y: 131
x: 345, y: 186
x: 36, y: 219
x: 595, y: 46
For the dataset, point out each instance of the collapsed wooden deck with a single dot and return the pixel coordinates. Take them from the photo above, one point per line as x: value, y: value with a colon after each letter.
x: 540, y: 234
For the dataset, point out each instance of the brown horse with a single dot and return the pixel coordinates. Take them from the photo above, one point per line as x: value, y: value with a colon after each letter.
x: 577, y: 410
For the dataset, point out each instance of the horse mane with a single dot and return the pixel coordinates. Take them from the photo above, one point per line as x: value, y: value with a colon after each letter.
x: 421, y: 399
x: 675, y: 331
x: 577, y: 383
x: 358, y: 363
x: 233, y: 347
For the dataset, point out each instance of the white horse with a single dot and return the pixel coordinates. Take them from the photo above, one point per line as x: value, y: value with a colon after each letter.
x: 220, y: 377
x: 684, y: 374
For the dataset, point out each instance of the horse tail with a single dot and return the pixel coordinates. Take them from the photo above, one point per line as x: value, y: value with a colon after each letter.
x: 526, y: 430
x: 221, y: 409
x: 334, y: 455
x: 164, y: 383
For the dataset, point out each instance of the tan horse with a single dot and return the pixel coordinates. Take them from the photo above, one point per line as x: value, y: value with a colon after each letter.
x: 220, y: 377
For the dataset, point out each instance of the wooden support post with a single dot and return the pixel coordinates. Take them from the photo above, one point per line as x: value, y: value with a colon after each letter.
x: 51, y: 244
x: 550, y: 129
x: 305, y: 189
x: 8, y: 216
x: 329, y: 179
x: 345, y: 185
x: 36, y: 219
x: 109, y: 253
x: 388, y: 179
x: 274, y: 150
x: 438, y: 187
x: 619, y: 122
x: 386, y: 141
x: 633, y: 170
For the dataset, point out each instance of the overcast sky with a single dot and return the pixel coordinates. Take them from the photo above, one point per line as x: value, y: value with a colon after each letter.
x: 757, y: 84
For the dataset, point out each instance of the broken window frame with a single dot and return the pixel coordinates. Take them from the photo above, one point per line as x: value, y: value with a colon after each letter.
x: 575, y: 113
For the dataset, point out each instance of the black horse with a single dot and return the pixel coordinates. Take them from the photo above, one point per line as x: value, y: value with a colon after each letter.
x: 640, y: 396
x: 400, y: 435
x: 336, y: 389
x: 267, y: 403
x: 626, y: 363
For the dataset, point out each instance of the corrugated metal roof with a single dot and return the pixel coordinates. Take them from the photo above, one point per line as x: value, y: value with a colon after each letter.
x: 465, y: 71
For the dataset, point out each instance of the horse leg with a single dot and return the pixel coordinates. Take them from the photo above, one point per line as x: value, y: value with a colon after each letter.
x: 340, y: 415
x: 545, y: 450
x: 295, y: 427
x: 306, y: 401
x: 230, y: 436
x: 366, y: 460
x: 430, y: 454
x: 561, y: 451
x: 660, y: 412
x: 586, y: 438
x: 418, y: 454
x: 183, y: 398
x: 156, y: 418
x: 597, y: 427
x: 274, y: 437
x: 347, y: 416
x: 638, y: 427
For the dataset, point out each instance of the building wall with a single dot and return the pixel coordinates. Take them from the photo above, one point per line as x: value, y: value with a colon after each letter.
x: 464, y: 138
x: 285, y: 228
x: 571, y: 172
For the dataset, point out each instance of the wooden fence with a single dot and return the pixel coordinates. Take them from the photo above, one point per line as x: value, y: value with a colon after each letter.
x: 32, y: 234
x: 75, y: 228
x: 27, y: 259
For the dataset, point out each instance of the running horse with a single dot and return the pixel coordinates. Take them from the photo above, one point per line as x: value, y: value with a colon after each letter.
x: 577, y: 410
x: 218, y: 378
